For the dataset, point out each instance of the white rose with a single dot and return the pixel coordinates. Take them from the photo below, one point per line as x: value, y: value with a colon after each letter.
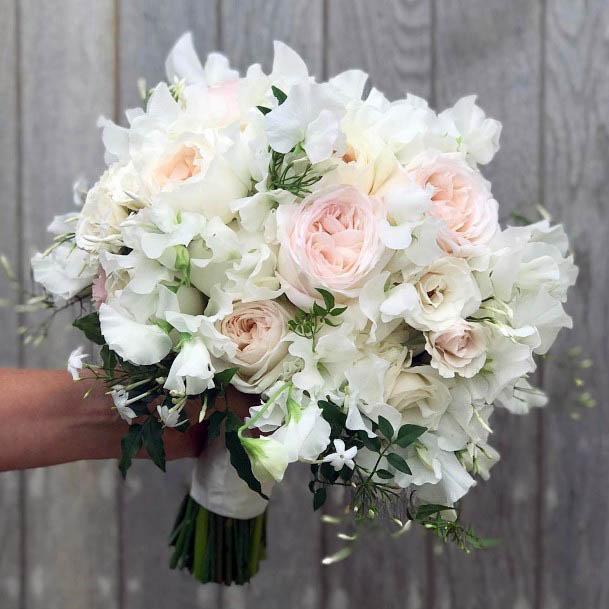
x: 460, y: 349
x: 445, y: 292
x: 100, y: 218
x: 420, y: 396
x: 257, y: 330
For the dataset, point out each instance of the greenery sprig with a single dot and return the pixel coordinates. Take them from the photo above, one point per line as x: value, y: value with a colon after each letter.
x: 291, y: 171
x: 309, y: 323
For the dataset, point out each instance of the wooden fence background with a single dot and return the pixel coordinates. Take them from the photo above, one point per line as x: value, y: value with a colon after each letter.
x: 74, y: 537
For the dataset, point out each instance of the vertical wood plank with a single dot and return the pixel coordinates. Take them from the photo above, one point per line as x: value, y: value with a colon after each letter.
x: 66, y: 51
x: 492, y: 48
x: 290, y: 576
x: 576, y: 164
x: 392, y: 42
x: 147, y: 31
x: 10, y: 508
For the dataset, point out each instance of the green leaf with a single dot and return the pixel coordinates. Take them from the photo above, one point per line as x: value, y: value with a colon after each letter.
x: 337, y: 311
x: 373, y: 444
x: 329, y: 473
x: 264, y: 109
x: 328, y: 298
x: 430, y: 509
x: 215, y: 424
x: 233, y: 422
x: 109, y: 359
x: 130, y: 446
x: 399, y: 463
x: 152, y: 432
x: 319, y: 498
x: 407, y: 434
x: 280, y: 96
x: 386, y: 428
x: 317, y: 310
x: 241, y: 462
x: 221, y: 379
x: 89, y: 326
x: 332, y: 414
x: 384, y: 474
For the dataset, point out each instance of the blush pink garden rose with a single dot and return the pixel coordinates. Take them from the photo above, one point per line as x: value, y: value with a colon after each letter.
x: 461, y: 199
x: 257, y: 329
x: 331, y: 241
x: 461, y: 349
x: 178, y: 167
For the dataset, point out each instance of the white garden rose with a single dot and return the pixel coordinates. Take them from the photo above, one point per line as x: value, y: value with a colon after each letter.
x: 460, y: 349
x: 443, y: 293
x: 101, y: 216
x: 258, y: 330
x: 420, y: 396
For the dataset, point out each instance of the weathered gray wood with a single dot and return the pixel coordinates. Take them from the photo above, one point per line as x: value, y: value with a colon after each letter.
x: 66, y: 51
x: 290, y: 575
x: 493, y: 48
x: 10, y: 506
x: 391, y: 41
x: 575, y: 455
x: 147, y: 31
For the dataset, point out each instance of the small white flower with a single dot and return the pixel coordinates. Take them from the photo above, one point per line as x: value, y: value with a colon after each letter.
x: 121, y: 398
x: 169, y: 416
x: 75, y: 362
x: 341, y: 457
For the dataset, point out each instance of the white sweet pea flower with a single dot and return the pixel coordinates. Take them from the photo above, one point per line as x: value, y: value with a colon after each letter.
x: 193, y: 369
x: 407, y: 205
x: 467, y: 124
x: 75, y: 362
x: 138, y: 343
x: 341, y: 457
x: 64, y: 271
x: 325, y: 362
x: 170, y: 417
x: 306, y: 433
x: 269, y: 458
x: 288, y: 67
x: 307, y: 116
x: 183, y: 64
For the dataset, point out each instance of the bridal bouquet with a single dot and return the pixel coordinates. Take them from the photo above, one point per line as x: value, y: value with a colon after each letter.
x: 336, y: 254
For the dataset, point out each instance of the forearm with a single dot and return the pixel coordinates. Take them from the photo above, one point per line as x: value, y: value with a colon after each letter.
x: 46, y: 421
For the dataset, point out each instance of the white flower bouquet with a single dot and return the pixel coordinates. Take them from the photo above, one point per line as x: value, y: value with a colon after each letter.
x: 337, y: 255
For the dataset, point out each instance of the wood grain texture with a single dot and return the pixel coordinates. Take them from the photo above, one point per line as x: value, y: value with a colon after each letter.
x: 290, y: 576
x: 391, y: 41
x: 492, y: 48
x: 66, y: 51
x: 150, y: 499
x: 575, y: 534
x: 10, y: 508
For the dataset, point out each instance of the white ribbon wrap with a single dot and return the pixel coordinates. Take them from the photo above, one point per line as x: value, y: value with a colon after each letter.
x: 217, y: 486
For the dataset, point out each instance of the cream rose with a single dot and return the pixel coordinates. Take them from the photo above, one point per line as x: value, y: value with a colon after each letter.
x: 461, y: 199
x: 420, y: 396
x: 331, y: 241
x: 460, y: 349
x: 257, y: 329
